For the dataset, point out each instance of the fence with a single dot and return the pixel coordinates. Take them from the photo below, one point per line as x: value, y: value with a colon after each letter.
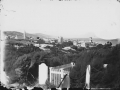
x: 57, y: 73
x: 56, y: 76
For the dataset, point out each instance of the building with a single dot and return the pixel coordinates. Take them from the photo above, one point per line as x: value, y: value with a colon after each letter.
x: 45, y: 45
x: 118, y: 40
x: 90, y: 39
x: 24, y: 35
x: 79, y: 43
x: 16, y: 37
x: 36, y: 45
x: 75, y: 43
x: 52, y: 40
x: 46, y: 40
x: 68, y: 48
x: 83, y: 44
x: 60, y: 40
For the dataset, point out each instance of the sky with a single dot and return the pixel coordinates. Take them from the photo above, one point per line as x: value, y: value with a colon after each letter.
x: 70, y: 19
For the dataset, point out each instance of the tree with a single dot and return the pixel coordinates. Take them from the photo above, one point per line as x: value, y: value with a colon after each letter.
x: 108, y: 45
x: 40, y: 41
x: 99, y: 46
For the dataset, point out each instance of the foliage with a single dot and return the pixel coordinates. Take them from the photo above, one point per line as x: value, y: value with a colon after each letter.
x: 49, y: 85
x: 21, y: 64
x: 64, y: 44
x: 112, y: 74
x: 40, y: 41
x: 93, y: 57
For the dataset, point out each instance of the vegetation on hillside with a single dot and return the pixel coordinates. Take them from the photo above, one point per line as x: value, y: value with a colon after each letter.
x: 21, y: 65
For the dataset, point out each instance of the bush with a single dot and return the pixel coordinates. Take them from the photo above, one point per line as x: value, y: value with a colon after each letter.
x: 49, y: 85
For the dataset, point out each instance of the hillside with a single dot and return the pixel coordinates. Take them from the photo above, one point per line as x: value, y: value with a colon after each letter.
x: 20, y: 35
x: 44, y: 35
x: 13, y: 33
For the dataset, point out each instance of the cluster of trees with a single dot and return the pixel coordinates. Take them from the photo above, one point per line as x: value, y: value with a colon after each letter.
x: 21, y: 65
x: 65, y: 44
x: 40, y: 41
x: 100, y: 77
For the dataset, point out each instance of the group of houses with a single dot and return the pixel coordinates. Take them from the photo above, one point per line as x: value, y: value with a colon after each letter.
x: 44, y: 46
x: 59, y: 40
x: 32, y: 37
x: 85, y: 44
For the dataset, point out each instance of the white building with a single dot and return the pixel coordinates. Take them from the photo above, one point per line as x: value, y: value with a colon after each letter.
x: 46, y: 40
x: 60, y: 40
x: 36, y: 45
x: 90, y: 39
x: 68, y: 48
x: 44, y: 45
x: 83, y: 44
x: 75, y: 43
x: 16, y: 37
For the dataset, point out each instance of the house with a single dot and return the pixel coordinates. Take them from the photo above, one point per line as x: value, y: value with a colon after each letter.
x: 75, y: 43
x: 68, y: 48
x: 44, y: 45
x: 36, y: 45
x: 79, y: 43
x: 90, y: 44
x: 46, y: 40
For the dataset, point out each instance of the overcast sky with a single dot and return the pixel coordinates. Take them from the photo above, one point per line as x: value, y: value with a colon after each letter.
x: 63, y: 18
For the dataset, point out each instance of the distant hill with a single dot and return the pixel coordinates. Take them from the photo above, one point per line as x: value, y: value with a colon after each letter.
x: 20, y: 35
x: 44, y: 35
x: 88, y: 35
x: 14, y: 33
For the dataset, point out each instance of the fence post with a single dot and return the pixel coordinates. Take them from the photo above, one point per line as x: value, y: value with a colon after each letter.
x: 50, y: 74
x: 88, y: 70
x: 62, y: 74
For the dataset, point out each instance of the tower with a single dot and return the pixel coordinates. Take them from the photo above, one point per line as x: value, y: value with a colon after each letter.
x: 60, y: 40
x: 90, y: 39
x: 118, y: 40
x: 24, y: 35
